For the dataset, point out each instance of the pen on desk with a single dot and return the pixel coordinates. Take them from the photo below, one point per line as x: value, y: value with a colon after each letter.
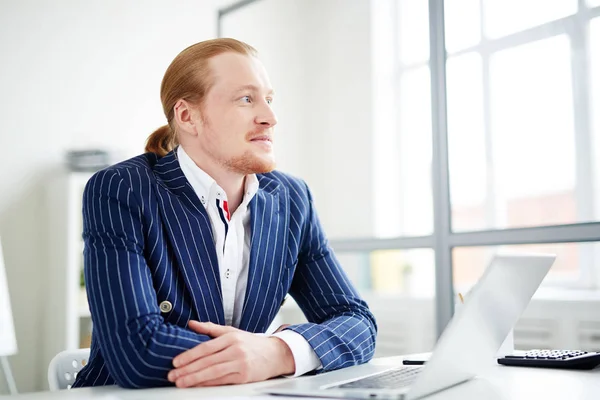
x: 462, y: 300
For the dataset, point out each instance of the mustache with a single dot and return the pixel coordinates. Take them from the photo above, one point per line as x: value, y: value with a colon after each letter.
x: 257, y: 133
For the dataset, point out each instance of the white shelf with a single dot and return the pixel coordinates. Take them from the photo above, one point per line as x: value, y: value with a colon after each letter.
x: 83, y: 309
x: 68, y: 314
x: 84, y: 312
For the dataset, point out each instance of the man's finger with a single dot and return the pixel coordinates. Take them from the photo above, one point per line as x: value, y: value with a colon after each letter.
x: 212, y: 373
x: 202, y: 350
x: 202, y: 363
x: 230, y: 379
x: 210, y: 329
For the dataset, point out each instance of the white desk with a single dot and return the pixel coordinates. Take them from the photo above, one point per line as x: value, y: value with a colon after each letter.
x: 499, y: 383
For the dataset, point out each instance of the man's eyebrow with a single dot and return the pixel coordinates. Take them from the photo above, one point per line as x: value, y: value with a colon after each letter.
x: 254, y: 89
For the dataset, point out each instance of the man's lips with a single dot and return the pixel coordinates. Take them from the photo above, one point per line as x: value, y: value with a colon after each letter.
x: 265, y: 138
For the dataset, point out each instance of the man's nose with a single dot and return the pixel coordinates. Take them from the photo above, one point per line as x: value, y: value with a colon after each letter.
x: 267, y: 117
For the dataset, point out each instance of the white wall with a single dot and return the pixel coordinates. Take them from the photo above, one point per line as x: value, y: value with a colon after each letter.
x: 74, y: 73
x: 318, y: 54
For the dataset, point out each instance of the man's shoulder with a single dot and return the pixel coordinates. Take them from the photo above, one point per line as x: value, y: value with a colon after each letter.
x: 144, y: 161
x: 138, y: 166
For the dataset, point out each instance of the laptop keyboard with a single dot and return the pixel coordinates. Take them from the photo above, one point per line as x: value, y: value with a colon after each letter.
x: 392, y: 379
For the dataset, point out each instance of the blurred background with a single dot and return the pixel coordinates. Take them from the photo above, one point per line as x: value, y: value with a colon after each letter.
x: 433, y: 134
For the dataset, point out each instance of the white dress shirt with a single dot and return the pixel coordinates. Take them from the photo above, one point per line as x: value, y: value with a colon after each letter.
x: 231, y: 233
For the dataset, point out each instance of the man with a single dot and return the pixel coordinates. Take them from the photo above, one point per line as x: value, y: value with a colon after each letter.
x: 191, y: 248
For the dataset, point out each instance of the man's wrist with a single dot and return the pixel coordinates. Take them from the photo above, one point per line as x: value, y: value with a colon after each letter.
x: 283, y: 353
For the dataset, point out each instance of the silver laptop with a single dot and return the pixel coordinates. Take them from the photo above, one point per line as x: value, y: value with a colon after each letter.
x: 467, y: 347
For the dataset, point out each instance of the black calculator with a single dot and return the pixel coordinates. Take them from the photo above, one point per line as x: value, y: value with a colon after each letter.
x: 567, y: 359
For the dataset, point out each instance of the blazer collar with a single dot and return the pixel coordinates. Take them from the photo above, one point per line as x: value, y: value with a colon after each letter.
x: 169, y: 174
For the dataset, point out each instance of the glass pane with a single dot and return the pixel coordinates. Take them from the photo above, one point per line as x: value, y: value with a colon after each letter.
x: 416, y: 202
x: 463, y: 24
x: 530, y: 164
x: 466, y: 131
x: 533, y: 133
x: 503, y: 17
x: 399, y: 286
x: 413, y: 31
x: 594, y: 47
x: 564, y: 312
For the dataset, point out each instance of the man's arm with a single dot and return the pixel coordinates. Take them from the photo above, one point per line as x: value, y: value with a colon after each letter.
x: 136, y: 343
x: 341, y: 329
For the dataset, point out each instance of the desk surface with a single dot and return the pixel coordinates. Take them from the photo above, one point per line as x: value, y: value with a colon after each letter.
x: 499, y: 383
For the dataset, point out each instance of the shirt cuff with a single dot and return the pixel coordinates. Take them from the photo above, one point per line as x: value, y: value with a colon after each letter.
x: 305, y: 358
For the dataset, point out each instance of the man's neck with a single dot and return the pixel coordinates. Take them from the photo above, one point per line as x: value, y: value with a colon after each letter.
x: 231, y: 182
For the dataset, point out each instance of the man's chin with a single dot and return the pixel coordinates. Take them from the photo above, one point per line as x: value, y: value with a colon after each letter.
x: 263, y: 167
x: 250, y: 164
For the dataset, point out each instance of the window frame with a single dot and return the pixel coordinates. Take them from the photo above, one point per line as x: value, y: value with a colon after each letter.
x: 443, y: 240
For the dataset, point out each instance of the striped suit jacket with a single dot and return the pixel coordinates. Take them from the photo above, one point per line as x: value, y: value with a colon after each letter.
x: 148, y: 239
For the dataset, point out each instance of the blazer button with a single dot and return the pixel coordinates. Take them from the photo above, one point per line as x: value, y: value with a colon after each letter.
x: 165, y: 306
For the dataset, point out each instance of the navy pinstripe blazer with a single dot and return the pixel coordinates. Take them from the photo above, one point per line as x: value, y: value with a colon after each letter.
x: 148, y: 239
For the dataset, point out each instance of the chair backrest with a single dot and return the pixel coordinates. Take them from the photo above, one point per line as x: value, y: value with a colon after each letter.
x: 64, y: 367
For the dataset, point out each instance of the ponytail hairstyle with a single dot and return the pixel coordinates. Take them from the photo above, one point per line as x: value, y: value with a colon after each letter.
x: 189, y: 78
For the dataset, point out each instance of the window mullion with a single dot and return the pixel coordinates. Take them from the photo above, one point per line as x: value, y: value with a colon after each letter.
x: 585, y: 189
x: 440, y: 176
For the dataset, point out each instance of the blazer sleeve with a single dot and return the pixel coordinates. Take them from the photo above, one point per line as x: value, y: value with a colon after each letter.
x: 136, y: 343
x: 341, y: 329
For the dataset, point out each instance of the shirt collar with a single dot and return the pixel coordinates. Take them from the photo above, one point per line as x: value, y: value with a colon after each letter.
x: 206, y: 187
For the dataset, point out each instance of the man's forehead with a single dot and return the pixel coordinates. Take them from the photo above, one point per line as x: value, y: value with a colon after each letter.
x: 238, y: 72
x: 236, y: 84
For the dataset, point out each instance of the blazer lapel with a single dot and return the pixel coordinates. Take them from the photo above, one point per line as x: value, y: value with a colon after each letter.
x: 269, y: 221
x: 189, y: 230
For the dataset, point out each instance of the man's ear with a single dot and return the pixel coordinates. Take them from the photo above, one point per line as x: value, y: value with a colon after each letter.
x: 186, y: 117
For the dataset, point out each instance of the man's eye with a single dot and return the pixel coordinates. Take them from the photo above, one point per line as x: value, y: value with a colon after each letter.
x: 269, y: 101
x: 246, y: 99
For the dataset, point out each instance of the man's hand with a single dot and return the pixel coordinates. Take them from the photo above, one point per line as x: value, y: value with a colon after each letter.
x: 233, y: 356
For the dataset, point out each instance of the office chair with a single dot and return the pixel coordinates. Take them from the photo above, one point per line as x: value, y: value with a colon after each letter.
x: 64, y: 367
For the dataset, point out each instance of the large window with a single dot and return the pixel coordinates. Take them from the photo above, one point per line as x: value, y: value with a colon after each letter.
x: 520, y: 128
x: 521, y: 150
